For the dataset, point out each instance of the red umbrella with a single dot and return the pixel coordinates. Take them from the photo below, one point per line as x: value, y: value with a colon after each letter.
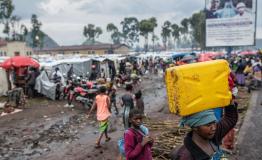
x: 19, y: 61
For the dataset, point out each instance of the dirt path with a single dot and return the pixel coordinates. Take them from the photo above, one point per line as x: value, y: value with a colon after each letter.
x: 47, y: 130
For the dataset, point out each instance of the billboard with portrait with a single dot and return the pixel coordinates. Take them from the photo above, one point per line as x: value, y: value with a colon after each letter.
x: 230, y: 22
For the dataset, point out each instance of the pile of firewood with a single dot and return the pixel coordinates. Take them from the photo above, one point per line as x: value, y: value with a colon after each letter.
x: 171, y: 136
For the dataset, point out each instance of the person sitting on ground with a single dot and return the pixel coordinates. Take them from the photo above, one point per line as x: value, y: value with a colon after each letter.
x: 139, y: 102
x: 138, y: 143
x: 206, y: 135
x: 102, y: 104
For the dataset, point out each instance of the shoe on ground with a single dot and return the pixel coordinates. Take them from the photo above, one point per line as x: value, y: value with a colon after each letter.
x: 67, y: 105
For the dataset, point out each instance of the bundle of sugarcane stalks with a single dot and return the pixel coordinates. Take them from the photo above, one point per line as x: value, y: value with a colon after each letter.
x: 170, y: 136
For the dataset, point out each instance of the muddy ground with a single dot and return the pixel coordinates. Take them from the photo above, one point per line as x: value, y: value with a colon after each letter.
x: 47, y: 130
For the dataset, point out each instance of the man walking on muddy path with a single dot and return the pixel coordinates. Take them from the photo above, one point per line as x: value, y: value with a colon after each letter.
x: 102, y: 104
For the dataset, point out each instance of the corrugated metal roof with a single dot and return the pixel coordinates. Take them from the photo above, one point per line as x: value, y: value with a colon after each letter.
x: 84, y: 47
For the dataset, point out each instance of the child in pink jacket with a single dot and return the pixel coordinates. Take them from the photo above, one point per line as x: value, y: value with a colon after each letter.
x: 137, y: 143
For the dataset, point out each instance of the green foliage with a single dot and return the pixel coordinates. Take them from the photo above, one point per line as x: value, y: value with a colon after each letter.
x: 197, y: 22
x: 36, y: 34
x: 147, y: 26
x: 116, y: 36
x: 111, y: 28
x: 130, y: 30
x: 91, y: 32
x: 185, y: 25
x: 175, y: 32
x: 6, y: 10
x: 6, y: 29
x: 166, y: 32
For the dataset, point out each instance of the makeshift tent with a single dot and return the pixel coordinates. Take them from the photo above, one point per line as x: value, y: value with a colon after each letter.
x: 3, y: 79
x: 45, y: 86
x: 103, y: 63
x: 3, y: 82
x: 81, y: 67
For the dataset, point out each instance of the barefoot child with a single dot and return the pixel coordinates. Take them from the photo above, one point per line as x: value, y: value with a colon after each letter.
x: 102, y: 103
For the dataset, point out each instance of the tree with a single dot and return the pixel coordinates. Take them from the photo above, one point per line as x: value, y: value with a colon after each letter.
x: 14, y: 21
x: 6, y: 30
x: 116, y: 36
x: 166, y: 32
x: 6, y: 10
x: 185, y: 25
x: 146, y: 26
x: 175, y: 32
x: 36, y: 34
x: 197, y: 22
x: 111, y: 28
x: 154, y: 37
x: 184, y: 30
x: 91, y: 32
x: 23, y: 32
x: 130, y: 30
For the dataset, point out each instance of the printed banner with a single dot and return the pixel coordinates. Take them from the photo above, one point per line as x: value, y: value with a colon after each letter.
x: 230, y: 22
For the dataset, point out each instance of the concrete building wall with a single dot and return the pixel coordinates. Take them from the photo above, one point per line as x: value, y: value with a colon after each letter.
x: 122, y: 50
x: 3, y: 51
x: 15, y: 48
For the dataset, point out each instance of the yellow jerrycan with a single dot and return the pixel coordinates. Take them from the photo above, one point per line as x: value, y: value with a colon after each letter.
x: 196, y: 87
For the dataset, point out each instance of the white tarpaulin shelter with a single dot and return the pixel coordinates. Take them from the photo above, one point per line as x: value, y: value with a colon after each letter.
x: 104, y: 63
x: 80, y: 66
x: 3, y: 79
x: 3, y: 82
x: 44, y: 86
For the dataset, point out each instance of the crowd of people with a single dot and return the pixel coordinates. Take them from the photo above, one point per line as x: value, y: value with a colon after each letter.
x: 211, y: 134
x: 208, y: 129
x: 247, y: 71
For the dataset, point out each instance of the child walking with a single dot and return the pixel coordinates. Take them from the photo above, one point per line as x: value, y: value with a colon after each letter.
x: 139, y: 102
x: 112, y: 95
x: 138, y: 143
x: 102, y: 103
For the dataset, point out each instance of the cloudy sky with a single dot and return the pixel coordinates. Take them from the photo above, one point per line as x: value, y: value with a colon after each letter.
x: 63, y: 20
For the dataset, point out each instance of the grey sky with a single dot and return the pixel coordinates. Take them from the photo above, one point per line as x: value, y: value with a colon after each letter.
x: 64, y: 20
